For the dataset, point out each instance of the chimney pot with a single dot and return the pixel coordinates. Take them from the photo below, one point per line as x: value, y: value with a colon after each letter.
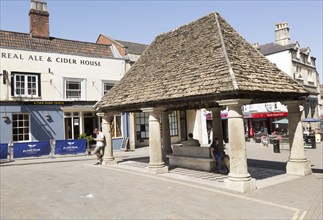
x: 282, y: 33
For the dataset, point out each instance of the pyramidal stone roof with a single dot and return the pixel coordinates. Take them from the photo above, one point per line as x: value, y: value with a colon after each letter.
x: 196, y: 65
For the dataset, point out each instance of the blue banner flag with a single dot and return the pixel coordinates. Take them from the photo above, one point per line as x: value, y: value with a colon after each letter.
x: 76, y: 146
x: 3, y: 151
x: 31, y: 149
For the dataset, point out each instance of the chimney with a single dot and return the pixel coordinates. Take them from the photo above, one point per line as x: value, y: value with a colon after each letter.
x: 39, y: 19
x: 256, y: 46
x: 282, y: 34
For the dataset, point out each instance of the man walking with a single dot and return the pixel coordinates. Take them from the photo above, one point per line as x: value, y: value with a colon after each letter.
x: 99, y: 146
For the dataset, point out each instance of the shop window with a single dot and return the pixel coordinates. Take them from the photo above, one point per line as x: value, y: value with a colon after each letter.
x: 20, y: 127
x: 27, y: 85
x: 173, y: 123
x: 142, y: 125
x: 116, y: 130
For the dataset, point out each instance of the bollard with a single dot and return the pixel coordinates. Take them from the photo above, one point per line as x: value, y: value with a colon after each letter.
x: 276, y: 146
x: 10, y: 150
x: 52, y: 146
x: 88, y: 147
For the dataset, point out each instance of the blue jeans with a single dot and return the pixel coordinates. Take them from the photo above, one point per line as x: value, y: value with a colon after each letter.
x: 219, y: 160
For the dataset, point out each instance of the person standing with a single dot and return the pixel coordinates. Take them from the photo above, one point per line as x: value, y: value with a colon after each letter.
x: 98, y: 150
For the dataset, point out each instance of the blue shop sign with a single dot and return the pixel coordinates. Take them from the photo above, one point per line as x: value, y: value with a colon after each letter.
x: 31, y: 149
x: 3, y: 151
x: 76, y: 146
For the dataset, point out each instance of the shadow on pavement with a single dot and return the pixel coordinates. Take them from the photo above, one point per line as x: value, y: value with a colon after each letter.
x: 315, y: 170
x: 274, y: 165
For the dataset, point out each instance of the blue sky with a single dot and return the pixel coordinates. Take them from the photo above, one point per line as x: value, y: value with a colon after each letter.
x: 142, y: 21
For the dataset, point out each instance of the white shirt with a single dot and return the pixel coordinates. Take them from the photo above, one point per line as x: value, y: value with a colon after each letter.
x: 99, y: 136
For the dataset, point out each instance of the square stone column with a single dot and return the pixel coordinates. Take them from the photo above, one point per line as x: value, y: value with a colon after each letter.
x: 108, y: 157
x: 238, y: 179
x: 156, y: 163
x: 297, y: 163
x: 167, y: 149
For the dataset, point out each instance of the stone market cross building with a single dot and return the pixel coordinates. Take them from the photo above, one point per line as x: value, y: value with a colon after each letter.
x: 205, y: 64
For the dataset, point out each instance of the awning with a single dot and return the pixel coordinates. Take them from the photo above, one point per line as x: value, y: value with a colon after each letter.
x: 281, y: 121
x: 311, y: 120
x: 78, y: 108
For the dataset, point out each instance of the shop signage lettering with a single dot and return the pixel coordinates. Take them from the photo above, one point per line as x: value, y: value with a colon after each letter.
x: 31, y: 149
x: 49, y: 59
x: 48, y: 103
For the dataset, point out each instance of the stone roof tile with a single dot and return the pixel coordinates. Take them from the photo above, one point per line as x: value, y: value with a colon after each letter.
x: 203, y: 61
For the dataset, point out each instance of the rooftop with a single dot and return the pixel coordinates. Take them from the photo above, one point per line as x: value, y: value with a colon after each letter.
x: 196, y: 65
x: 23, y: 41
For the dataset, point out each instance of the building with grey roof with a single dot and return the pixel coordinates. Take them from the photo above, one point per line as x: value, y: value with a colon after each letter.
x: 49, y: 85
x: 299, y: 64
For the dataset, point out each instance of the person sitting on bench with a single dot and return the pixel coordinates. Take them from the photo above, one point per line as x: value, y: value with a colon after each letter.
x: 191, y: 141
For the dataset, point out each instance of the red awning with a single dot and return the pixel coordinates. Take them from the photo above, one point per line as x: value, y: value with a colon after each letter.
x: 269, y: 115
x: 252, y: 115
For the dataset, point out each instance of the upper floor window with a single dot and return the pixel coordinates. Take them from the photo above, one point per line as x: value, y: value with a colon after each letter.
x: 298, y: 73
x: 310, y: 76
x: 27, y: 85
x: 107, y: 87
x: 298, y: 53
x: 74, y: 88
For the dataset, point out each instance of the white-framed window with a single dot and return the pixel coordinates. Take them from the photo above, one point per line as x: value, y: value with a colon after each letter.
x: 74, y: 88
x: 72, y: 125
x: 26, y: 85
x: 106, y: 87
x: 20, y: 127
x: 173, y: 123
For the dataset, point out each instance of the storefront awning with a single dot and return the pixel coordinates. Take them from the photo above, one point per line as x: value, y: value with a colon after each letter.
x: 78, y: 108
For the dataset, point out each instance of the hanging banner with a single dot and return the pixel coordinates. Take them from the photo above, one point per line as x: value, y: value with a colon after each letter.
x: 31, y: 149
x: 76, y: 146
x: 3, y: 151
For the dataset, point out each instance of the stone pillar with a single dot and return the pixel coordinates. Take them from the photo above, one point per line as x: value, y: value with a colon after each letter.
x: 297, y: 163
x: 132, y: 131
x: 217, y: 124
x: 108, y: 157
x: 156, y: 163
x: 238, y: 179
x: 167, y: 149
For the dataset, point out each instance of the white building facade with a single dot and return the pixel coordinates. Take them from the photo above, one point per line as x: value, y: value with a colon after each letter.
x: 49, y: 85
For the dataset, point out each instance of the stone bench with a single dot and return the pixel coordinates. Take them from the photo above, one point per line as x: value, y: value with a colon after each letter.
x: 192, y: 157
